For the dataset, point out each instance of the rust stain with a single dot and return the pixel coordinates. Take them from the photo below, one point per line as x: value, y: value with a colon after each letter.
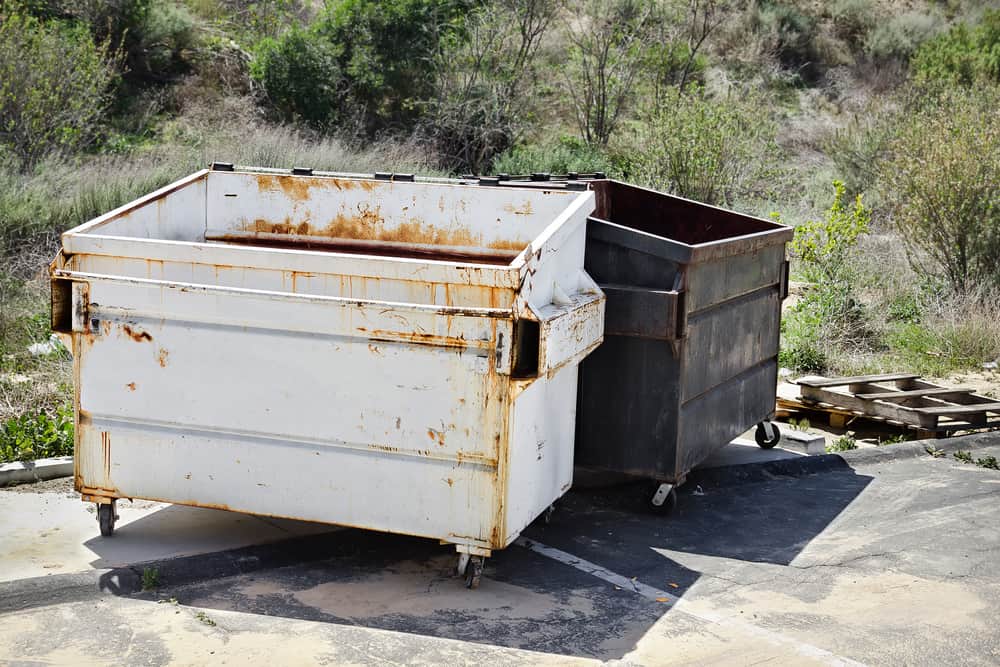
x: 137, y: 336
x: 162, y: 356
x: 508, y: 244
x: 374, y: 349
x: 437, y: 436
x: 384, y: 448
x: 295, y: 187
x: 131, y: 386
x: 524, y: 209
x: 106, y: 453
x: 398, y: 422
x: 414, y: 337
x: 450, y: 481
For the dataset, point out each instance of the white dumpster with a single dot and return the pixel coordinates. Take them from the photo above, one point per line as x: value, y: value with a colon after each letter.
x: 395, y: 356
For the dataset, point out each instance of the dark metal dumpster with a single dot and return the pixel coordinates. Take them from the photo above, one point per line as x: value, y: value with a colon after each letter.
x: 690, y: 353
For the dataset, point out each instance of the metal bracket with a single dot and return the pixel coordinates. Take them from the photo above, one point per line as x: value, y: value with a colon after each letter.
x: 783, y: 288
x: 662, y: 493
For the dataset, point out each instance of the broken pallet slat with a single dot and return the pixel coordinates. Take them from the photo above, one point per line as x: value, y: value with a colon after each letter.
x: 857, y: 379
x: 953, y: 410
x: 939, y: 392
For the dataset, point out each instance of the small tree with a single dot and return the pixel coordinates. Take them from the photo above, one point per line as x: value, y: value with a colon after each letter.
x: 301, y: 77
x: 608, y: 41
x: 943, y: 185
x: 54, y: 86
x: 482, y: 101
x: 708, y: 150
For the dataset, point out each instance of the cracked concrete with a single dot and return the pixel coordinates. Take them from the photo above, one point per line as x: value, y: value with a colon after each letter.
x: 887, y: 562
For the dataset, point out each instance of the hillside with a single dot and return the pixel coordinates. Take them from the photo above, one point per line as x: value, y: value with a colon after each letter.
x: 871, y: 125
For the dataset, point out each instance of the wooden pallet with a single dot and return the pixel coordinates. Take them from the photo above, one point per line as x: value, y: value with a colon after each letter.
x: 904, y: 398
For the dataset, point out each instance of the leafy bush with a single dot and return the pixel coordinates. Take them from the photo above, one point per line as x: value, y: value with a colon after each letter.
x: 963, y: 55
x: 54, y: 86
x: 943, y: 185
x: 824, y: 247
x: 713, y: 151
x: 829, y: 311
x: 899, y: 36
x: 387, y: 54
x: 168, y: 39
x: 37, y: 436
x: 562, y: 156
x: 301, y: 77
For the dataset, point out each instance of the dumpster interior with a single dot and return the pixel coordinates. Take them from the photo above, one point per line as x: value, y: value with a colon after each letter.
x: 437, y: 221
x: 674, y: 218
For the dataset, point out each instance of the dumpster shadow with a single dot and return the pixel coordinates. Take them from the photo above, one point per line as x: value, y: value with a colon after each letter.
x: 771, y: 519
x: 176, y: 531
x: 526, y: 600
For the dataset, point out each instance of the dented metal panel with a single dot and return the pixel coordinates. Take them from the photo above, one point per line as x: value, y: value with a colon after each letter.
x: 351, y: 383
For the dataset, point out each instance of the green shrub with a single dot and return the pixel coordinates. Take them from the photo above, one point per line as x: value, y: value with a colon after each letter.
x: 712, y: 151
x: 54, y: 86
x: 829, y: 311
x: 562, y: 156
x: 37, y: 436
x: 942, y: 183
x: 899, y: 36
x: 387, y: 52
x: 844, y: 443
x: 964, y: 55
x: 301, y: 76
x: 824, y: 247
x: 168, y: 39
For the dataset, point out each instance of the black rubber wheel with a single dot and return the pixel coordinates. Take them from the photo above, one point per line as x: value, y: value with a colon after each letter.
x: 474, y: 572
x: 668, y: 505
x: 106, y: 519
x: 760, y: 435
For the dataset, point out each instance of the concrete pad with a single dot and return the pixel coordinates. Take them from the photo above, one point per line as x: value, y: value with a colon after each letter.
x: 53, y: 532
x: 124, y: 631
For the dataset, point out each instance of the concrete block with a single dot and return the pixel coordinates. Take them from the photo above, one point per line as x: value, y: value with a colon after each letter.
x: 802, y: 441
x: 35, y: 471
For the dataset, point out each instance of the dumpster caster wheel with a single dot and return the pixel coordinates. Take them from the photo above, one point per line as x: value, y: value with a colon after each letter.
x: 474, y: 571
x: 767, y: 435
x: 106, y: 516
x: 664, y: 499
